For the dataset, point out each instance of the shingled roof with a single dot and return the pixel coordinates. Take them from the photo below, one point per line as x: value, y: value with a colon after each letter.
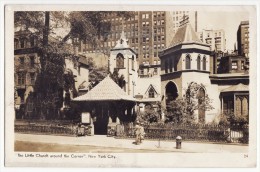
x: 185, y: 34
x: 106, y: 90
x: 236, y: 88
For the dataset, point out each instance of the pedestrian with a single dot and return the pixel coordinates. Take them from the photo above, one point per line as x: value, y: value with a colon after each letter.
x: 139, y: 133
x: 142, y: 133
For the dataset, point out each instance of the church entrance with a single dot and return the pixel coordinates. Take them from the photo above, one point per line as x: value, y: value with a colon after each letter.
x: 171, y: 92
x: 101, y: 120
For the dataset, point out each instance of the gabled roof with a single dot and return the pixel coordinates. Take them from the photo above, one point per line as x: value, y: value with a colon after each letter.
x: 122, y: 42
x: 236, y: 88
x: 106, y: 90
x: 151, y: 86
x: 185, y: 34
x: 146, y: 84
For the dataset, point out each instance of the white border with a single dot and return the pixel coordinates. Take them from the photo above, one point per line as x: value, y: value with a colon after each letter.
x: 241, y: 2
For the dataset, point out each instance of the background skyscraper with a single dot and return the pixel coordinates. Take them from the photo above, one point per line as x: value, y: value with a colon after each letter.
x: 243, y: 38
x: 148, y: 32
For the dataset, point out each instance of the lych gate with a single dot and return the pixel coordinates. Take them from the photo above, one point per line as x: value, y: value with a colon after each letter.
x: 107, y: 102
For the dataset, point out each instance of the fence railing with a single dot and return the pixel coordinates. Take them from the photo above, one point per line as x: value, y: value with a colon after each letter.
x: 46, y: 127
x: 235, y: 133
x: 192, y: 132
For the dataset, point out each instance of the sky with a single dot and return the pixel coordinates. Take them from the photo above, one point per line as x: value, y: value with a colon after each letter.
x: 228, y: 21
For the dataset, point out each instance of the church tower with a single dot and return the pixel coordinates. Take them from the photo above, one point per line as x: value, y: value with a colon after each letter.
x: 185, y: 61
x: 123, y: 59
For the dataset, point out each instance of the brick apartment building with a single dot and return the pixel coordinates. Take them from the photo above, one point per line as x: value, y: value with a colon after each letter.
x: 243, y: 38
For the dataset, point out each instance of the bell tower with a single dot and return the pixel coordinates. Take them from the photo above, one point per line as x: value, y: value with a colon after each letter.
x: 123, y: 59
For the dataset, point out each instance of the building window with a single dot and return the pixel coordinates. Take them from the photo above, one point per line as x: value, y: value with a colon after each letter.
x: 151, y: 93
x: 141, y: 71
x: 204, y: 63
x: 21, y: 60
x: 187, y: 60
x: 170, y: 65
x: 166, y: 66
x: 155, y: 71
x: 133, y: 63
x: 162, y: 22
x: 32, y: 76
x: 16, y: 43
x: 234, y: 65
x: 22, y: 43
x: 198, y: 62
x: 21, y: 78
x: 32, y: 42
x: 162, y: 38
x: 242, y: 65
x: 32, y: 61
x: 120, y: 61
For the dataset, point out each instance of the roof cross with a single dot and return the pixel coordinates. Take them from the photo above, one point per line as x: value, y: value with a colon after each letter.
x: 185, y: 20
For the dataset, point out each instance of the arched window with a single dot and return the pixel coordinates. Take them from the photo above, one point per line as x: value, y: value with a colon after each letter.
x: 133, y: 62
x: 120, y: 61
x: 187, y: 60
x: 198, y: 62
x: 166, y: 66
x: 170, y: 65
x: 204, y: 63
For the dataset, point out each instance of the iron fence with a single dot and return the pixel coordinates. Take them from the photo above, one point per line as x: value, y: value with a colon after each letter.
x: 46, y: 127
x: 191, y: 132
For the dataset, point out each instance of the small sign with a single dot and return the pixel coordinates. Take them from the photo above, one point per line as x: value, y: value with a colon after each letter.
x: 85, y: 118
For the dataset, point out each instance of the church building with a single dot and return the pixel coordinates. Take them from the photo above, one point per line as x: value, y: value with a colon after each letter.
x: 187, y: 61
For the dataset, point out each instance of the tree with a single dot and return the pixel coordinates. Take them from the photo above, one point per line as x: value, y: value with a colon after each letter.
x: 120, y: 80
x: 53, y: 49
x: 150, y: 115
x: 182, y: 109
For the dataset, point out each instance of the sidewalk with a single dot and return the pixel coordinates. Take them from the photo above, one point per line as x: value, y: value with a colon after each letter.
x: 104, y: 141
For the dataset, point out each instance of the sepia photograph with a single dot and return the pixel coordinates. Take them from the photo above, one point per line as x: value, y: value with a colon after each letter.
x: 104, y: 86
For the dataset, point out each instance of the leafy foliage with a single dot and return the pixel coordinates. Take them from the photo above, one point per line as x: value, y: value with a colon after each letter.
x: 182, y: 109
x: 150, y: 115
x: 81, y: 26
x: 120, y: 80
x: 229, y: 118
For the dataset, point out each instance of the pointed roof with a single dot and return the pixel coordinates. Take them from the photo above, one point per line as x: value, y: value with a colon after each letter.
x: 147, y: 83
x: 236, y: 88
x: 106, y: 90
x: 185, y: 34
x: 122, y: 42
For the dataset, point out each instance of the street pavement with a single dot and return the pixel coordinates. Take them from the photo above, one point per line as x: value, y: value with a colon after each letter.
x: 147, y: 145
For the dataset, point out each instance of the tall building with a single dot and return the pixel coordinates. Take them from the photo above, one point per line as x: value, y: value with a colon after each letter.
x: 243, y: 38
x: 27, y: 67
x: 178, y: 17
x: 215, y: 38
x: 148, y: 32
